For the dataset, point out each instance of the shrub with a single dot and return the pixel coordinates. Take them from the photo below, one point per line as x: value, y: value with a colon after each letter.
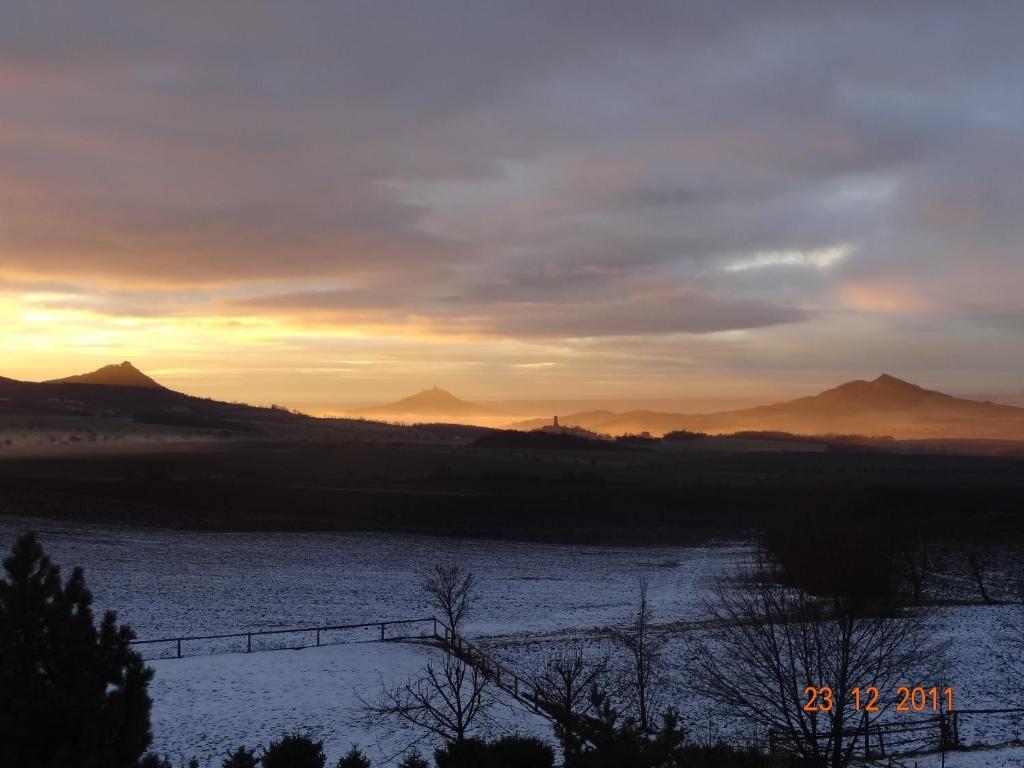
x: 71, y: 693
x: 724, y: 756
x: 354, y: 759
x: 241, y: 758
x: 414, y: 760
x: 155, y: 761
x: 520, y: 752
x: 469, y: 753
x: 294, y: 751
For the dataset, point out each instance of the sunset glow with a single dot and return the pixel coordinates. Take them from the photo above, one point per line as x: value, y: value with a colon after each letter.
x: 341, y: 221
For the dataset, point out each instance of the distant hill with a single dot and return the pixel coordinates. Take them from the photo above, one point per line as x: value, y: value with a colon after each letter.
x: 884, y: 406
x: 123, y: 375
x: 433, y: 402
x: 124, y: 392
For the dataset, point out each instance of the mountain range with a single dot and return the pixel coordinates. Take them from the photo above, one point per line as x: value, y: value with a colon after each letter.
x: 886, y: 406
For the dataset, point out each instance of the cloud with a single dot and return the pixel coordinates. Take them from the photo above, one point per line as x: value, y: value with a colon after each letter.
x: 885, y: 298
x: 821, y: 258
x: 518, y: 169
x: 633, y: 308
x: 664, y: 313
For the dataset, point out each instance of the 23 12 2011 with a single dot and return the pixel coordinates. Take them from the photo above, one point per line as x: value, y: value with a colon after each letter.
x: 908, y: 699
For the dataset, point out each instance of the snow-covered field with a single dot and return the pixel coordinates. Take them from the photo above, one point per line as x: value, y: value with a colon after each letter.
x: 205, y: 705
x: 533, y: 600
x: 169, y: 583
x: 166, y: 583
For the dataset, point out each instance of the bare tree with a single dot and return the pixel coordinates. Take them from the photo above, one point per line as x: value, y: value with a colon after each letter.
x: 565, y: 687
x: 446, y: 701
x: 451, y: 589
x: 791, y: 662
x: 643, y: 648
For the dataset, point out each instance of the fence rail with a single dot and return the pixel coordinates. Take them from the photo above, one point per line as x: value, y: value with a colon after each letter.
x: 294, y: 638
x: 492, y: 669
x: 426, y: 628
x: 950, y: 730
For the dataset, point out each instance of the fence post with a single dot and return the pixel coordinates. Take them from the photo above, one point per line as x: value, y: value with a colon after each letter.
x: 179, y: 647
x: 867, y: 736
x: 248, y: 643
x: 435, y: 627
x: 318, y: 637
x: 382, y: 632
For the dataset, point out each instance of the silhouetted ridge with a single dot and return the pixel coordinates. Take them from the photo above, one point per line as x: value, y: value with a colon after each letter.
x: 429, y: 402
x: 884, y: 393
x: 124, y: 391
x: 123, y: 375
x: 885, y: 406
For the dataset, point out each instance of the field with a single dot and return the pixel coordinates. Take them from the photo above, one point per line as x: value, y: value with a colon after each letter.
x: 454, y: 488
x: 534, y: 599
x: 167, y: 583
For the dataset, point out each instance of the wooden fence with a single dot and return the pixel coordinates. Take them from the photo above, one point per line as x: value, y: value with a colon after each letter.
x: 428, y: 628
x: 289, y: 638
x: 493, y: 670
x: 946, y: 731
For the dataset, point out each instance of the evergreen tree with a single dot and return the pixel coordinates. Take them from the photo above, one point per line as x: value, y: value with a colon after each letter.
x: 241, y: 758
x: 354, y: 759
x: 414, y: 760
x: 295, y: 751
x: 71, y: 693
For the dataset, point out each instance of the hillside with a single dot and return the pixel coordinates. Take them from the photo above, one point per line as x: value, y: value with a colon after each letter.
x: 434, y: 402
x: 115, y: 396
x: 123, y: 375
x: 884, y: 406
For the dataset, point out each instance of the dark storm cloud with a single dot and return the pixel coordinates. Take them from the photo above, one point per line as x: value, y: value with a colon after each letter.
x: 520, y: 168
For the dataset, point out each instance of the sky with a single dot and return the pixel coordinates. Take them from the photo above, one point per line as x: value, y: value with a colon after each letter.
x: 350, y: 201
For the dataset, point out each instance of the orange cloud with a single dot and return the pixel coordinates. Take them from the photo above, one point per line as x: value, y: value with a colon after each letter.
x: 885, y: 297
